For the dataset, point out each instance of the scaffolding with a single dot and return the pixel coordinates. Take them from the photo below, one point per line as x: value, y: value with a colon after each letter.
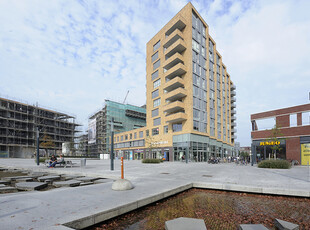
x: 19, y: 123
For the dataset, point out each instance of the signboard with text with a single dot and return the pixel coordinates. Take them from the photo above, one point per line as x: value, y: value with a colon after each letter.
x: 305, y: 154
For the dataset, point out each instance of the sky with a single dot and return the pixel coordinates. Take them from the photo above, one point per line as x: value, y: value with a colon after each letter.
x: 71, y: 55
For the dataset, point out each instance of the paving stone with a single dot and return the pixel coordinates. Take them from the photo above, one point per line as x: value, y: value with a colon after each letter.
x: 43, y: 178
x: 24, y: 179
x: 13, y: 178
x: 69, y: 177
x: 7, y: 189
x: 284, y: 225
x: 252, y: 227
x: 4, y: 182
x: 105, y: 180
x: 37, y: 174
x: 2, y: 185
x: 184, y: 223
x: 86, y: 183
x: 30, y: 186
x: 87, y: 179
x: 67, y: 183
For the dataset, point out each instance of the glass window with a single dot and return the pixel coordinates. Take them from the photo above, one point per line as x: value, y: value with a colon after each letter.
x: 155, y: 131
x: 196, y: 125
x: 122, y: 138
x: 155, y: 93
x: 166, y: 129
x: 156, y: 102
x: 155, y: 112
x: 305, y: 118
x: 196, y: 113
x: 130, y: 136
x: 147, y: 132
x: 177, y: 127
x: 154, y: 75
x: 156, y: 84
x: 293, y: 120
x: 135, y: 135
x: 141, y: 134
x: 156, y: 64
x: 156, y: 46
x: 156, y: 121
x: 155, y: 56
x: 126, y: 137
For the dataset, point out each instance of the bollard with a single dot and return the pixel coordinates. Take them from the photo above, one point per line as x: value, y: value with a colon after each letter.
x: 122, y: 167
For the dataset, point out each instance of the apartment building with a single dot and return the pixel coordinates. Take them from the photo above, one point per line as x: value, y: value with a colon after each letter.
x: 18, y: 128
x: 291, y: 134
x: 126, y: 117
x: 190, y: 97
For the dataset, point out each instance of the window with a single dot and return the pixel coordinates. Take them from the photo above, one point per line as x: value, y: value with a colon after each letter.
x: 155, y: 57
x: 156, y: 102
x: 196, y: 113
x: 196, y: 125
x: 177, y: 127
x: 155, y: 131
x: 130, y: 136
x: 156, y: 46
x: 122, y: 138
x: 147, y: 132
x: 154, y: 75
x: 156, y: 121
x: 126, y: 137
x: 156, y: 64
x: 155, y: 93
x: 141, y: 134
x: 195, y: 46
x: 117, y: 139
x: 155, y: 112
x: 166, y: 129
x: 135, y: 135
x: 305, y: 118
x: 293, y: 120
x: 156, y: 83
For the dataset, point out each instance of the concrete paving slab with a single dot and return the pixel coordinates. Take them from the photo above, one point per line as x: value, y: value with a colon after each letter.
x: 184, y: 223
x: 27, y: 179
x: 4, y: 182
x: 52, y: 178
x: 7, y: 189
x: 2, y: 185
x: 30, y: 186
x: 13, y: 178
x: 284, y: 225
x: 87, y: 179
x: 86, y: 183
x: 103, y: 181
x: 70, y: 177
x: 67, y: 183
x: 252, y: 227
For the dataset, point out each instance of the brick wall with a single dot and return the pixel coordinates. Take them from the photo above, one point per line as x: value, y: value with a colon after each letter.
x: 293, y: 149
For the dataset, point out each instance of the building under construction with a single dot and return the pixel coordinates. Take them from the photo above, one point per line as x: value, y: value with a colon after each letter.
x: 19, y: 123
x: 126, y: 117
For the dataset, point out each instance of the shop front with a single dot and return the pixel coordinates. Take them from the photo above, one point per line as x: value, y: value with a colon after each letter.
x: 265, y: 149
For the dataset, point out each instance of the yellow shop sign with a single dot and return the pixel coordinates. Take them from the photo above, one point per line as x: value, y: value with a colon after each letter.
x: 305, y: 154
x: 269, y: 143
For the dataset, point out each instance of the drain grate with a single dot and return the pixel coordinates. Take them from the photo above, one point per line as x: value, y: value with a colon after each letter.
x: 207, y: 175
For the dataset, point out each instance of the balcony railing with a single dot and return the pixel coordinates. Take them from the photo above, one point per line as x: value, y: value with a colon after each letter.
x: 176, y: 94
x: 176, y: 117
x: 174, y: 106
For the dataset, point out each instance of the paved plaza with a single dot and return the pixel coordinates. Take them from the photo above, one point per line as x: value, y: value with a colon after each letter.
x: 79, y: 207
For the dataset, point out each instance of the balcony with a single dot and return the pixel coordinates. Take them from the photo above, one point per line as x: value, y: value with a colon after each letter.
x: 233, y: 99
x: 179, y: 24
x: 175, y: 71
x: 233, y: 111
x: 178, y: 47
x: 176, y: 94
x: 233, y: 118
x: 174, y: 84
x: 176, y: 117
x: 173, y: 60
x: 233, y: 93
x: 233, y: 124
x: 233, y: 105
x: 233, y: 87
x: 172, y: 38
x: 233, y: 130
x: 234, y: 136
x: 173, y: 107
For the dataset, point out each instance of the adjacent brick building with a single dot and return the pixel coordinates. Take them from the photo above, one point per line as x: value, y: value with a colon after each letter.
x: 294, y: 139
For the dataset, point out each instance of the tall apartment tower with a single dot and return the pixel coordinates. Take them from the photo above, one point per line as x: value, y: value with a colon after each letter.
x: 190, y: 97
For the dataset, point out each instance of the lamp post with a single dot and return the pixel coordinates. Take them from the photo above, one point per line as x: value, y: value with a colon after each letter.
x: 112, y: 144
x: 38, y: 157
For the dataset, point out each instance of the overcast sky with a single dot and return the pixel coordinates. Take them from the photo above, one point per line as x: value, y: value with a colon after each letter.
x: 72, y: 55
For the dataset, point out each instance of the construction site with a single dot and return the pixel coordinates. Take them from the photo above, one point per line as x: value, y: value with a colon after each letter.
x: 20, y: 124
x: 126, y: 117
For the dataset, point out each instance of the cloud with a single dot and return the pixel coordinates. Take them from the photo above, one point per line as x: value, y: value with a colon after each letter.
x: 71, y: 55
